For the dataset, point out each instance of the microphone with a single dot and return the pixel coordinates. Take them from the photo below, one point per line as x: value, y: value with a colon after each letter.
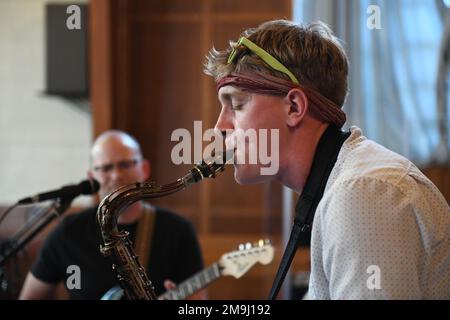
x: 66, y: 192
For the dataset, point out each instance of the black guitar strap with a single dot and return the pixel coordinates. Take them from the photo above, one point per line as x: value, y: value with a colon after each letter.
x: 324, y: 159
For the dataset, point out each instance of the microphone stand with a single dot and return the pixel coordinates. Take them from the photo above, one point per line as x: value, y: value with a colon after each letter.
x: 22, y: 237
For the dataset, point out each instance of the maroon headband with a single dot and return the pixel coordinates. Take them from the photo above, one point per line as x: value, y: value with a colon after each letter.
x: 320, y: 107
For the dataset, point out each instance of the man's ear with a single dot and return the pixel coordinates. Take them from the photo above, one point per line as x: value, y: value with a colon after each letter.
x: 146, y: 169
x: 95, y: 197
x: 296, y: 106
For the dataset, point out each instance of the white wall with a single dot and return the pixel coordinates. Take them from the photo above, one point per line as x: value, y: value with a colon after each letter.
x: 44, y: 141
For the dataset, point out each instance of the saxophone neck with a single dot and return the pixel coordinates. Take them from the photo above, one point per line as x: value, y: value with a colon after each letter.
x: 208, y: 168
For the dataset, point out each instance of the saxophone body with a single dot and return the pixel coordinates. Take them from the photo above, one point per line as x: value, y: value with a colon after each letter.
x: 130, y: 273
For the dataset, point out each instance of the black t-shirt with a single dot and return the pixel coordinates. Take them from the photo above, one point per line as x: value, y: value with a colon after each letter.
x: 175, y: 254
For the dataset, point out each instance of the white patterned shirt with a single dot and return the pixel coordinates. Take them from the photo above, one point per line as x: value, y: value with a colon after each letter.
x: 381, y: 230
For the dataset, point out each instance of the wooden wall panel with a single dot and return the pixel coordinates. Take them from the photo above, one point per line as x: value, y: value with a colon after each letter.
x: 252, y: 7
x: 157, y: 53
x: 166, y: 7
x: 440, y: 175
x: 166, y: 97
x: 158, y: 49
x: 100, y: 65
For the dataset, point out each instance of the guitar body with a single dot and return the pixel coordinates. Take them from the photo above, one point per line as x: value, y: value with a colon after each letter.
x: 115, y: 293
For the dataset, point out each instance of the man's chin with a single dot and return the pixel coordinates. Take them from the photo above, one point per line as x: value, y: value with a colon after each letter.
x: 247, y: 175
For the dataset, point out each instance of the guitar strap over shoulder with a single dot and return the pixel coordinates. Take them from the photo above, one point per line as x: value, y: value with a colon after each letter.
x: 324, y: 159
x: 144, y: 234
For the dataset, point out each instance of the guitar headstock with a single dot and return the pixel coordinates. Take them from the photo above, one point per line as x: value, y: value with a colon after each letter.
x: 238, y: 262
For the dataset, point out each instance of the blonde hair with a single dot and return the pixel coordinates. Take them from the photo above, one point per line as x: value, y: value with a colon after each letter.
x: 312, y: 53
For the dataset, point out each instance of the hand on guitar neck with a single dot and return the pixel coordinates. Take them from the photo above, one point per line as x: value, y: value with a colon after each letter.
x: 199, y: 295
x: 235, y: 263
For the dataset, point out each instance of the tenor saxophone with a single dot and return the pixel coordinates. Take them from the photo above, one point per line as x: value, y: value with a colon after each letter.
x: 130, y: 273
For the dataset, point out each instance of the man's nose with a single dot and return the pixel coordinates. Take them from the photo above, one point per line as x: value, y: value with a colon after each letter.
x: 116, y: 173
x: 223, y: 123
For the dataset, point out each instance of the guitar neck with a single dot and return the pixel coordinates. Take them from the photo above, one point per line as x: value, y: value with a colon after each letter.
x: 195, y: 283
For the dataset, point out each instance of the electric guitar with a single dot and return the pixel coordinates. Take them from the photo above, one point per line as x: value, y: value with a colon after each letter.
x: 235, y: 263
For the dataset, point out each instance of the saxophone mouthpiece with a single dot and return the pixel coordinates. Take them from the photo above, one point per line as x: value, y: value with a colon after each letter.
x: 209, y: 167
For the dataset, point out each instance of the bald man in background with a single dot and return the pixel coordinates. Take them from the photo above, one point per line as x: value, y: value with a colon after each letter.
x: 173, y: 250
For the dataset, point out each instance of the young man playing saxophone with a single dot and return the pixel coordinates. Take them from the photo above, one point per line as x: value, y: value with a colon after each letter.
x: 379, y: 215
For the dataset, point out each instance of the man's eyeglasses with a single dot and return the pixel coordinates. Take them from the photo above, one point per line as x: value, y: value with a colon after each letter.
x: 123, y: 165
x: 264, y: 55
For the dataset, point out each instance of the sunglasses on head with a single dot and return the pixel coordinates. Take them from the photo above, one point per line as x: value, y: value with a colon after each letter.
x: 264, y: 55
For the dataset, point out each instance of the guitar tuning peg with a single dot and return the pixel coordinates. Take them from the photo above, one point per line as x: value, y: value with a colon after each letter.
x: 248, y: 245
x: 261, y: 243
x: 241, y: 247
